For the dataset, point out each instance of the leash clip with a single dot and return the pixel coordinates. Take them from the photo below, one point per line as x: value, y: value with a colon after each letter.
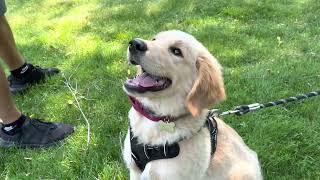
x: 244, y: 109
x: 214, y: 113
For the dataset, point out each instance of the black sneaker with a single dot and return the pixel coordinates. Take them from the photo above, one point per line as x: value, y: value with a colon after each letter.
x: 36, y: 134
x: 37, y: 75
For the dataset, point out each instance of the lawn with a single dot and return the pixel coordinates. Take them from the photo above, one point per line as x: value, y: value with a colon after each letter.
x: 269, y: 49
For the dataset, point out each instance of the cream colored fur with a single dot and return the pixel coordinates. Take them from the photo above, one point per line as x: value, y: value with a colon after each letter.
x: 197, y: 83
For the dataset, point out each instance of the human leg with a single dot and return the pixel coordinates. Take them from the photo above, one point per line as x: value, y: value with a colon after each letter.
x: 22, y: 74
x: 19, y: 130
x: 8, y: 111
x: 8, y: 50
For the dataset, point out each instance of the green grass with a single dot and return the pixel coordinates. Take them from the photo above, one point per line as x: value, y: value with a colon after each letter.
x: 269, y: 49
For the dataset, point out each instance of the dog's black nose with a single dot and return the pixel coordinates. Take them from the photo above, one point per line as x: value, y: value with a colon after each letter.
x: 137, y: 45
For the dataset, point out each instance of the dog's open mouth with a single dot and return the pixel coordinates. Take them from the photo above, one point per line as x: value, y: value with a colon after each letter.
x: 147, y: 82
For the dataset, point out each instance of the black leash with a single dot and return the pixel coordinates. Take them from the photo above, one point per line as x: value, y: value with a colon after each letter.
x: 244, y: 109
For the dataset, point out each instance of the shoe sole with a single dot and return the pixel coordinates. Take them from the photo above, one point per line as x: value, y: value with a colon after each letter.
x: 10, y: 144
x: 21, y: 89
x: 18, y: 90
x: 6, y: 144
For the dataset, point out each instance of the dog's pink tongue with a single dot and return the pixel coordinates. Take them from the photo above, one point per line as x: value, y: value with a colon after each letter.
x: 146, y: 80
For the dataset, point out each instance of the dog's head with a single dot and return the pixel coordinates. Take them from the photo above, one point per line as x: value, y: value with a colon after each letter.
x: 175, y: 65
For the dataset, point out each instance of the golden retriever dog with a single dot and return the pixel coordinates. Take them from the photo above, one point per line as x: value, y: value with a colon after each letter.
x: 170, y: 135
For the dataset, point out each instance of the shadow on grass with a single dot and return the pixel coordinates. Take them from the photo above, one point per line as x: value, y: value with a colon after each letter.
x: 232, y: 31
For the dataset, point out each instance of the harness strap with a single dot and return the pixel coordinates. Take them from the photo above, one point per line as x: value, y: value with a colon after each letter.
x: 145, y: 153
x: 212, y: 125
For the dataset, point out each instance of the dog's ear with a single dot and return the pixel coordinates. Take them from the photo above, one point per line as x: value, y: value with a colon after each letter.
x: 208, y: 87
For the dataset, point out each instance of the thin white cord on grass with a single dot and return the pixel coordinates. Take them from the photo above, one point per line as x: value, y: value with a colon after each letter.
x: 72, y: 90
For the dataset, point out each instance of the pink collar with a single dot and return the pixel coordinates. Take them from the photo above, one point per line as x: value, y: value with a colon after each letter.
x: 146, y: 113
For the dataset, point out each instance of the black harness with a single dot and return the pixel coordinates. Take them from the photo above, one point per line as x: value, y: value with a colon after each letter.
x: 143, y: 154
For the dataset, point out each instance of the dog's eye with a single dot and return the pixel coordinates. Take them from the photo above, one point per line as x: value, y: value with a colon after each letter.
x: 176, y: 51
x: 153, y: 39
